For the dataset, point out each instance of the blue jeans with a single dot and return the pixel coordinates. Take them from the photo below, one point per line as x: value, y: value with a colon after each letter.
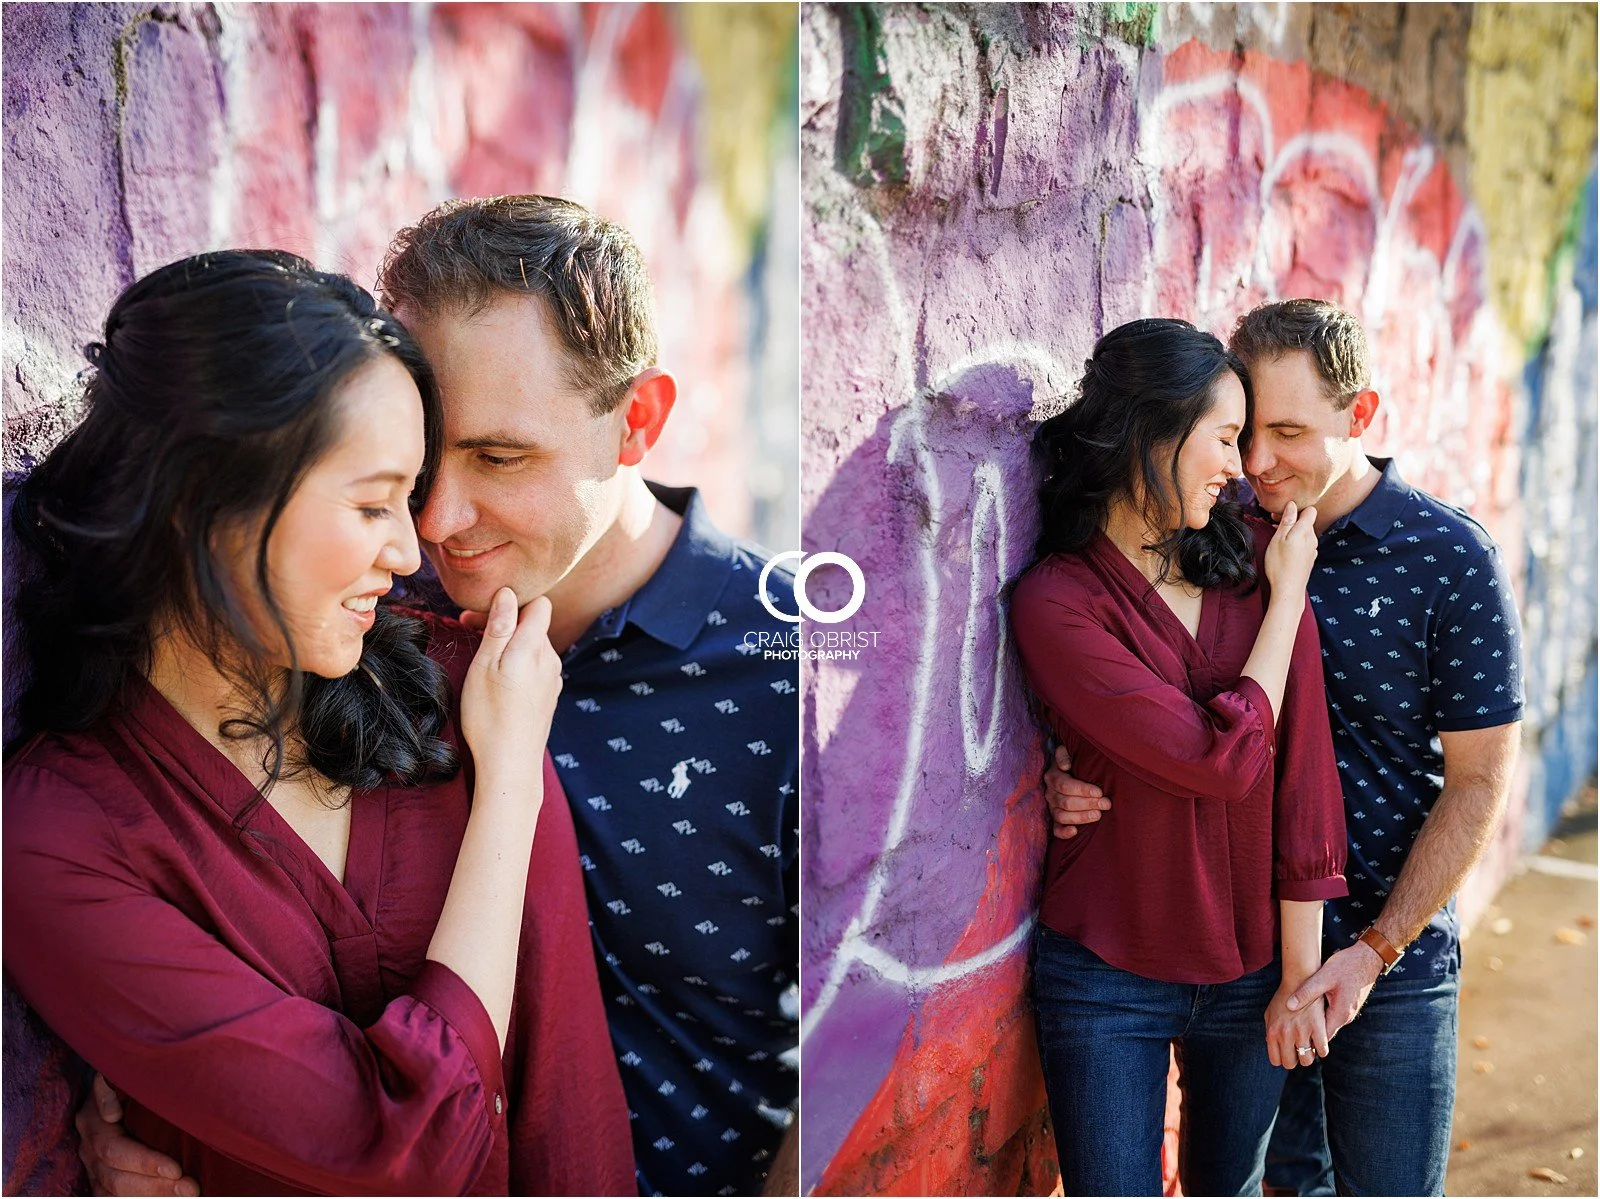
x: 1298, y: 1162
x: 1104, y: 1036
x: 1373, y: 1118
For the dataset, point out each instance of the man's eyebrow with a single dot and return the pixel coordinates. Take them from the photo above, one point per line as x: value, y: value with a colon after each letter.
x: 1285, y: 424
x: 497, y: 441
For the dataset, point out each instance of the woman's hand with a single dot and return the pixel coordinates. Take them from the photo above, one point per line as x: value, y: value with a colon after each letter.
x: 1292, y: 551
x: 511, y: 688
x: 1288, y: 1032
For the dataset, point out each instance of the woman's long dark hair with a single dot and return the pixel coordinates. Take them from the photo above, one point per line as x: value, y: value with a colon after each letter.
x: 1143, y: 391
x: 212, y: 394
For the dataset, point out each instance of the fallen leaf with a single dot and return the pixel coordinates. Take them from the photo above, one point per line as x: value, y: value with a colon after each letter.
x: 1546, y: 1173
x: 1483, y: 1067
x: 1586, y: 921
x: 1570, y: 936
x: 1480, y: 1042
x: 1575, y: 1152
x: 1501, y: 926
x: 1494, y: 963
x: 1463, y: 1145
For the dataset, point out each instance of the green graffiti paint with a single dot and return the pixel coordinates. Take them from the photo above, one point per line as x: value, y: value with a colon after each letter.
x: 1133, y: 23
x: 871, y: 146
x: 1562, y: 262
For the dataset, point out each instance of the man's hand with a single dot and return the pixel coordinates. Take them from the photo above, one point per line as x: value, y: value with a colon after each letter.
x: 1346, y: 978
x: 1072, y: 801
x: 118, y: 1164
x: 1290, y: 1031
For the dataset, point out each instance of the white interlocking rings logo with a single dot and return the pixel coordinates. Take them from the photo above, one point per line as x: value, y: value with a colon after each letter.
x: 809, y: 563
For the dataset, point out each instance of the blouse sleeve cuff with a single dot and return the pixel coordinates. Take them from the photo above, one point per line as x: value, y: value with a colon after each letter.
x: 1331, y: 887
x: 458, y: 1005
x: 1250, y: 691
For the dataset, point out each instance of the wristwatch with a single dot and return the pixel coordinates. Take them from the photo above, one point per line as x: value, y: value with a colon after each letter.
x: 1380, y: 946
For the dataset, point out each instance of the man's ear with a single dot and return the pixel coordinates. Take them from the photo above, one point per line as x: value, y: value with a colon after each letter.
x: 1362, y: 409
x: 646, y: 408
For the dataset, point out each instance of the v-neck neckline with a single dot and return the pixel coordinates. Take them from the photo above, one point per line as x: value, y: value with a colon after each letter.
x: 347, y: 908
x: 1197, y: 645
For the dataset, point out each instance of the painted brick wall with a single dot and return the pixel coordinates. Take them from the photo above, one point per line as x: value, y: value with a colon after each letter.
x: 137, y: 134
x: 986, y: 190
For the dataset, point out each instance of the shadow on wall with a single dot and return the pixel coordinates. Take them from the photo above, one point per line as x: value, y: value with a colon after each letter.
x: 921, y: 890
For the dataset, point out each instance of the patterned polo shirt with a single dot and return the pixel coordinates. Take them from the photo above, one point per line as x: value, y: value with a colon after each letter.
x: 677, y: 741
x: 1420, y: 635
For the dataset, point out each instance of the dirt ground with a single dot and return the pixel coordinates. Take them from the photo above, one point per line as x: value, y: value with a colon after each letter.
x: 1526, y: 1092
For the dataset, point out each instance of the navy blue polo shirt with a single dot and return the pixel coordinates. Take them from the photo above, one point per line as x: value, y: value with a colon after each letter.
x: 677, y: 741
x: 1420, y: 635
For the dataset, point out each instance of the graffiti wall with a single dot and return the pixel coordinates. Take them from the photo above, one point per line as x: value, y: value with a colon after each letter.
x: 989, y: 188
x: 1558, y: 496
x: 137, y: 134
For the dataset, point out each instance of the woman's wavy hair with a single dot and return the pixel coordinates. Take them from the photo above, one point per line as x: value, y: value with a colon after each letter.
x: 213, y: 392
x: 1143, y: 391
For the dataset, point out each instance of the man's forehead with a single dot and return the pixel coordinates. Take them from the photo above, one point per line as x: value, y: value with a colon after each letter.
x: 1292, y: 407
x: 1295, y: 365
x: 525, y: 417
x: 1290, y: 388
x: 514, y: 325
x: 490, y: 363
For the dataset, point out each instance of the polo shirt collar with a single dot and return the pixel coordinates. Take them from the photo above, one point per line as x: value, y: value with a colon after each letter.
x: 1376, y: 514
x: 674, y: 602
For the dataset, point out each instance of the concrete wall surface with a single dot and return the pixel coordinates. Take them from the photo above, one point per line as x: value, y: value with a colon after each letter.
x: 987, y: 189
x: 135, y: 134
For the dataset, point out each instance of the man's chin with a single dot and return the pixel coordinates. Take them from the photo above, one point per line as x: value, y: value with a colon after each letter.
x: 474, y: 595
x: 1270, y: 501
x: 466, y: 589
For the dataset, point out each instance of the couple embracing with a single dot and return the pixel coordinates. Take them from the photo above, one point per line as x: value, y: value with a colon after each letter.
x: 1285, y: 734
x: 290, y: 863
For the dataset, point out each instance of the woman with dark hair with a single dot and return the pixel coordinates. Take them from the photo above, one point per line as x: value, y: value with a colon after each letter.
x: 251, y: 875
x: 1189, y: 686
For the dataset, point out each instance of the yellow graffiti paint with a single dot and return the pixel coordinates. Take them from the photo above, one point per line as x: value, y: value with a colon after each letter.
x: 1531, y: 133
x: 746, y: 56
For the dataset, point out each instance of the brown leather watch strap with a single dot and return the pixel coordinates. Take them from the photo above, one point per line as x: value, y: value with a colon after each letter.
x: 1380, y: 945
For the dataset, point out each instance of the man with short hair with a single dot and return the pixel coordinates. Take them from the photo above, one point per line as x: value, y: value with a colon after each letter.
x: 676, y: 741
x: 1421, y: 651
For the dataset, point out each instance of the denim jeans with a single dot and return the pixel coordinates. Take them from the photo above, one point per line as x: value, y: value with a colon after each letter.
x: 1298, y: 1162
x: 1103, y: 1038
x: 1373, y: 1118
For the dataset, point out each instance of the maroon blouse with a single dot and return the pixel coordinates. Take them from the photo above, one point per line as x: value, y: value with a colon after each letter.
x: 278, y: 1032
x: 1215, y: 812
